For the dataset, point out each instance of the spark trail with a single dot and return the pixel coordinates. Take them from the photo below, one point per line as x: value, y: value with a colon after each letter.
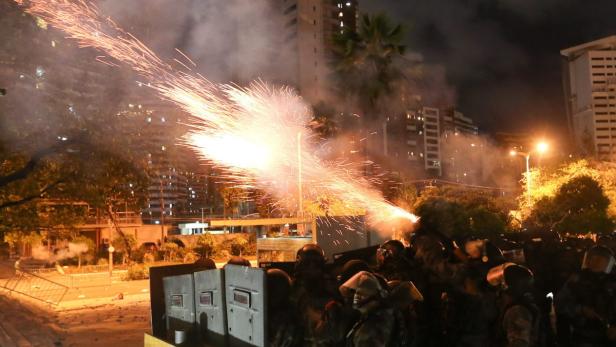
x: 250, y: 132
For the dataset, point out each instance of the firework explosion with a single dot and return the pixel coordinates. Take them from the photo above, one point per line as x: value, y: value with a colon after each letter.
x: 252, y: 133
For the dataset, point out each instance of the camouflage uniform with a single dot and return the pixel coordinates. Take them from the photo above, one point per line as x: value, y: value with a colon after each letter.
x: 430, y: 254
x: 311, y: 303
x: 436, y: 277
x: 520, y: 326
x: 586, y: 308
x: 375, y: 329
x: 284, y: 330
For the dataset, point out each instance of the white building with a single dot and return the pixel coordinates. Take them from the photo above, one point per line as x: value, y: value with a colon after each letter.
x: 432, y: 139
x: 590, y: 94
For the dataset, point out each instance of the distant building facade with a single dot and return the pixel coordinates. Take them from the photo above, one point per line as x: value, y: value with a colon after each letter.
x: 589, y: 80
x: 417, y: 141
x: 309, y: 27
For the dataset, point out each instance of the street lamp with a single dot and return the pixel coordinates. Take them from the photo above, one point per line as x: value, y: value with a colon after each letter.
x: 540, y: 148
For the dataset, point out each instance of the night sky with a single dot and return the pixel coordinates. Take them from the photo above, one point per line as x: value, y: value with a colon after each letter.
x: 502, y: 56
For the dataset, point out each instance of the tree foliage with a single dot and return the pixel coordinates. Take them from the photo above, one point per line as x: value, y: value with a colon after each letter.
x: 463, y: 212
x: 364, y: 61
x: 60, y: 141
x: 579, y: 206
x: 327, y: 205
x: 231, y: 197
x: 546, y: 181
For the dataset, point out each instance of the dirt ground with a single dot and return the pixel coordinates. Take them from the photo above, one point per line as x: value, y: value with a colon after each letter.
x: 115, y: 323
x: 84, y: 322
x: 90, y: 314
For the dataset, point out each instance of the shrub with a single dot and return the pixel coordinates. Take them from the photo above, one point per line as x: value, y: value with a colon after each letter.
x: 137, y: 255
x: 149, y: 257
x: 123, y: 247
x: 238, y: 246
x: 205, y: 245
x: 137, y: 272
x: 190, y: 257
x: 170, y: 251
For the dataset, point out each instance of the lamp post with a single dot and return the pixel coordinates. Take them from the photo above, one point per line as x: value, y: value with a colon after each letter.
x: 300, y: 194
x: 110, y: 250
x: 540, y: 148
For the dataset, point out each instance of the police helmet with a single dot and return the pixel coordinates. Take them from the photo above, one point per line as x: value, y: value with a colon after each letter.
x: 599, y: 259
x: 310, y: 253
x: 278, y: 286
x: 235, y: 260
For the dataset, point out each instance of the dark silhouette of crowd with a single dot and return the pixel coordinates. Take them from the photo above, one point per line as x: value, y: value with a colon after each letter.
x: 442, y: 291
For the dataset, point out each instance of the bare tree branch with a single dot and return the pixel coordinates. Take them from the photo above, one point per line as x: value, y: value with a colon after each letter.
x: 30, y: 197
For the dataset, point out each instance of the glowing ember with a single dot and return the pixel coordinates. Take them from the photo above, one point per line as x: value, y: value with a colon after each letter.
x: 252, y: 133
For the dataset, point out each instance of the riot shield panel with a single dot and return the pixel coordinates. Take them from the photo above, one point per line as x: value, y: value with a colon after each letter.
x: 246, y: 304
x: 210, y: 302
x: 179, y: 304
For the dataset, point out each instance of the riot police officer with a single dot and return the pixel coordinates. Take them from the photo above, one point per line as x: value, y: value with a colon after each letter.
x: 283, y: 330
x: 313, y: 288
x: 519, y: 322
x: 377, y: 325
x: 586, y: 305
x: 392, y: 262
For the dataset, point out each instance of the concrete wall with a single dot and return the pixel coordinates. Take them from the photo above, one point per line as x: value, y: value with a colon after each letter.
x: 142, y: 233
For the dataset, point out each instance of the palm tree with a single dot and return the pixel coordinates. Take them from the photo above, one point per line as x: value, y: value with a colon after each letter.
x: 364, y: 63
x: 324, y: 120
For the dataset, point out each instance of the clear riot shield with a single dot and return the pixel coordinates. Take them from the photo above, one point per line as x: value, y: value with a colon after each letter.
x: 180, y: 306
x: 246, y: 304
x: 211, y: 315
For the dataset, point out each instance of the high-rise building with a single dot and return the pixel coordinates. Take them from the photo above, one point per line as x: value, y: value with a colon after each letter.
x: 309, y: 27
x: 46, y: 91
x: 589, y: 80
x: 455, y: 122
x: 427, y: 137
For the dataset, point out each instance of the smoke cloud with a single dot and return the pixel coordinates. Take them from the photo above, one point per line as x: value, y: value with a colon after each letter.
x: 502, y: 55
x: 71, y: 251
x: 232, y: 40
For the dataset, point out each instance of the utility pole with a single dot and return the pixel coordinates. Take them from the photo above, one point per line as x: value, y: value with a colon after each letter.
x: 162, y: 211
x: 300, y: 196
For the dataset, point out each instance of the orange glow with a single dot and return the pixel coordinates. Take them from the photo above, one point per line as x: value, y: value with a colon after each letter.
x: 542, y: 147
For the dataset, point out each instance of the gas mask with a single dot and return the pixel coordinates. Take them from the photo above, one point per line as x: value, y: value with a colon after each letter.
x: 365, y: 289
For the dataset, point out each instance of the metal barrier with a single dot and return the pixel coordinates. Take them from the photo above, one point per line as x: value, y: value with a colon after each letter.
x: 36, y: 287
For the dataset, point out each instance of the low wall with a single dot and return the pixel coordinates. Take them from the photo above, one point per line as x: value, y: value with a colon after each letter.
x: 280, y: 249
